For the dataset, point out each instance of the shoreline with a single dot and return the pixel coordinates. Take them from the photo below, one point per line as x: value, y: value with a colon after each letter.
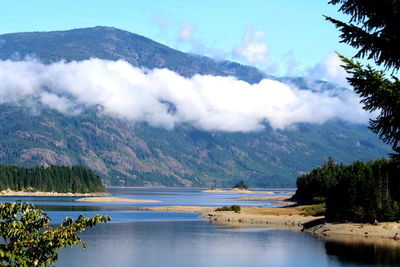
x: 237, y: 191
x: 233, y: 190
x: 268, y: 198
x: 11, y: 193
x: 292, y: 218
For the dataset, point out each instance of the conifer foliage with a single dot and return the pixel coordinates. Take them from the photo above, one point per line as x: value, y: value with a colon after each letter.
x: 374, y: 29
x: 63, y: 179
x: 360, y: 192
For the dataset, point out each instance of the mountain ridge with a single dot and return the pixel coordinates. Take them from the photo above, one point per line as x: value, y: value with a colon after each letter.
x: 137, y: 52
x: 137, y: 154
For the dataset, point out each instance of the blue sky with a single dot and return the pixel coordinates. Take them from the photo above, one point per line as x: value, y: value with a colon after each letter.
x: 286, y: 37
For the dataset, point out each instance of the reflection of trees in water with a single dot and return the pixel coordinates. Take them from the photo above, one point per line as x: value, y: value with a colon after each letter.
x: 363, y: 253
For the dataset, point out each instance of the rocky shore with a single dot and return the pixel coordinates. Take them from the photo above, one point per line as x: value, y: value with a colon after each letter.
x: 293, y: 218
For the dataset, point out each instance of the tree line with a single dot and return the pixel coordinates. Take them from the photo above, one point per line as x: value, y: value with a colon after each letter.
x: 63, y: 179
x: 359, y: 192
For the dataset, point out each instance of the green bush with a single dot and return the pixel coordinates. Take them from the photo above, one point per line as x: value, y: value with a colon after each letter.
x: 28, y: 239
x: 314, y: 210
x: 234, y: 208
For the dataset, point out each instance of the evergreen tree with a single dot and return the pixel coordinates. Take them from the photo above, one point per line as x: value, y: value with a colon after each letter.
x: 76, y: 179
x: 360, y: 192
x: 374, y: 29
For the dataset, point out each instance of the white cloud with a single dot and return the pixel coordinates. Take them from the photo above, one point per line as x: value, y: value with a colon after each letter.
x: 329, y: 69
x: 207, y: 102
x: 162, y: 21
x: 186, y: 32
x: 291, y: 63
x: 253, y: 49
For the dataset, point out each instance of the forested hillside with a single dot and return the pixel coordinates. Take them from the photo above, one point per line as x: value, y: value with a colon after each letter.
x: 62, y: 179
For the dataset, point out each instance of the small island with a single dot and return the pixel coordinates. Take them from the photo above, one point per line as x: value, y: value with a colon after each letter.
x: 239, y: 187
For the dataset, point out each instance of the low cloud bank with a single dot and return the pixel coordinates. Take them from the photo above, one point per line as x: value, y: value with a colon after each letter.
x: 329, y: 69
x: 164, y: 99
x: 253, y: 50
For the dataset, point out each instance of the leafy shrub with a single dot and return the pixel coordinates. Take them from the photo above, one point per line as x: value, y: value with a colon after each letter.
x: 235, y: 208
x: 27, y: 239
x: 314, y: 210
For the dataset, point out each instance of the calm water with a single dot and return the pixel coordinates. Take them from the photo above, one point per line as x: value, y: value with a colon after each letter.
x: 146, y: 238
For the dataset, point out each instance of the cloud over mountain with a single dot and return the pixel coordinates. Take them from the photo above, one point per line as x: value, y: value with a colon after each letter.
x: 329, y: 69
x: 164, y: 98
x: 253, y: 49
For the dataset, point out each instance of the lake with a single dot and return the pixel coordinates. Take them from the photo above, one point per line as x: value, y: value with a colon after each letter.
x: 149, y: 238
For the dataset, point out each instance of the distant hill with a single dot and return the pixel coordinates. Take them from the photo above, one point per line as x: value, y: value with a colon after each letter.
x: 138, y: 154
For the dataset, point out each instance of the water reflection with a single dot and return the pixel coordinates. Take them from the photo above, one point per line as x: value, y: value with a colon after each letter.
x: 363, y: 253
x: 197, y: 243
x: 193, y: 244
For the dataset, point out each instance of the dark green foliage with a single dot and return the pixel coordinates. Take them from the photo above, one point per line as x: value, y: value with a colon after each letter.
x: 234, y: 208
x: 76, y: 179
x: 241, y: 185
x: 378, y: 93
x: 318, y: 200
x: 318, y: 183
x: 366, y: 192
x: 27, y: 239
x: 374, y: 29
x: 315, y: 210
x: 360, y: 192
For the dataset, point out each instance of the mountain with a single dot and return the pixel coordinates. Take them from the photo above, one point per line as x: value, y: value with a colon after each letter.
x: 113, y: 44
x: 137, y: 154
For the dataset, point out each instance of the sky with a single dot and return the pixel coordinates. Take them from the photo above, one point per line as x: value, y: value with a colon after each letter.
x: 283, y: 38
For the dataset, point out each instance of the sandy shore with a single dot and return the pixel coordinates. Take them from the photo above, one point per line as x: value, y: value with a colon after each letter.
x: 382, y: 230
x: 115, y: 200
x: 279, y: 200
x: 11, y: 193
x: 194, y: 209
x: 267, y: 198
x: 236, y: 191
x: 292, y: 218
x: 284, y: 217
